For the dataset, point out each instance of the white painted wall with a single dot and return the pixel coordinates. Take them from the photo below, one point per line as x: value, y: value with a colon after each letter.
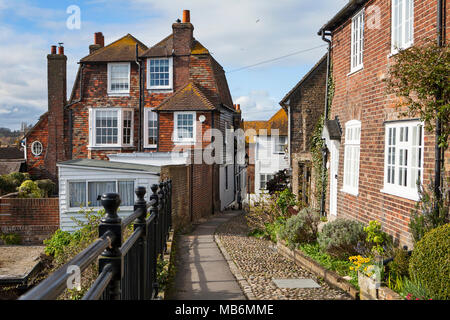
x: 266, y: 160
x: 72, y: 173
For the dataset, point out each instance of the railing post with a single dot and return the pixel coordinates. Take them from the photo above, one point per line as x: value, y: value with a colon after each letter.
x: 154, y: 244
x: 112, y: 255
x: 143, y: 267
x: 162, y: 209
x: 170, y: 203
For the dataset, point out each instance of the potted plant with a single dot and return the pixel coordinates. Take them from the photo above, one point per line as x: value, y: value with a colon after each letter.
x: 369, y: 276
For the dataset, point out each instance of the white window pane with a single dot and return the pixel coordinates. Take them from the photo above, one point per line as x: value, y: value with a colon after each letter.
x: 99, y: 188
x: 126, y: 192
x: 77, y: 194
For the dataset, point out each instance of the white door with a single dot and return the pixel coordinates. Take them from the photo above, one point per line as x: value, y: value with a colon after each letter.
x: 334, y: 166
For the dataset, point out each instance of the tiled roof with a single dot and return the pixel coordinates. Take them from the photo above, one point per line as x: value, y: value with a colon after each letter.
x: 188, y: 98
x: 122, y: 50
x: 161, y: 49
x: 164, y: 48
x: 278, y: 121
x: 11, y: 153
x: 7, y: 167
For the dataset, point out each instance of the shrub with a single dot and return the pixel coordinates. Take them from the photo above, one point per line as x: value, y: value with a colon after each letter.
x: 47, y: 186
x: 301, y: 228
x: 398, y: 268
x: 56, y: 245
x: 11, y: 238
x: 273, y: 229
x: 429, y: 212
x: 29, y: 189
x: 430, y: 264
x: 378, y: 239
x: 340, y: 237
x: 286, y: 199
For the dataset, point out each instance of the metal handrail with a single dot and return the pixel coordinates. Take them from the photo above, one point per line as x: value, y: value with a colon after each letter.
x: 54, y: 285
x: 100, y: 284
x: 131, y: 265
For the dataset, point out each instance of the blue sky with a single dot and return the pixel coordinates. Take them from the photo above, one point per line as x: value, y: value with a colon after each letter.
x: 239, y: 33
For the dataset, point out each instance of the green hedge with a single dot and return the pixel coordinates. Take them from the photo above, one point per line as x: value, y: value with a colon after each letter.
x: 430, y: 262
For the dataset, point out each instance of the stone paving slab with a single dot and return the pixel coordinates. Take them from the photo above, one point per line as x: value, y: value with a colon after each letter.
x: 202, y: 271
x: 296, y: 283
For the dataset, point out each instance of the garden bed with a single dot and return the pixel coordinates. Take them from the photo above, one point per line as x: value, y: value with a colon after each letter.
x: 311, y: 265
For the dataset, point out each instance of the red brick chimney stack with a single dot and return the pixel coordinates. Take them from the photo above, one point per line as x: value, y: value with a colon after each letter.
x: 57, y: 99
x: 99, y: 42
x: 182, y: 45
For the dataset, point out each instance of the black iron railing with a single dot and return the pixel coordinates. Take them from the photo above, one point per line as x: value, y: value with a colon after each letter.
x: 127, y: 270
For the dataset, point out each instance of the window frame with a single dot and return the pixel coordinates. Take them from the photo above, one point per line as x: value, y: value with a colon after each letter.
x: 86, y: 183
x: 404, y: 45
x: 276, y: 143
x: 32, y: 148
x: 168, y: 87
x: 118, y: 92
x: 185, y: 141
x: 395, y: 188
x: 120, y: 118
x: 266, y: 179
x: 359, y: 53
x: 350, y: 144
x: 146, y: 128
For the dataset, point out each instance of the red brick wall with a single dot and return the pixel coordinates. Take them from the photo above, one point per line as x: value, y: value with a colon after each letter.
x: 33, y: 219
x: 362, y: 96
x: 35, y: 164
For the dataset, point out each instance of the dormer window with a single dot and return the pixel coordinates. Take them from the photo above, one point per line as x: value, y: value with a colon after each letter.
x: 160, y: 73
x: 118, y: 78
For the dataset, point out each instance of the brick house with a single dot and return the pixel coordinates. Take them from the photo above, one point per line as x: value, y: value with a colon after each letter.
x: 140, y: 104
x: 375, y: 163
x: 304, y: 105
x: 266, y: 147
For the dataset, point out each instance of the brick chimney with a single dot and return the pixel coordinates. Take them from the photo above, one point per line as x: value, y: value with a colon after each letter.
x: 182, y: 45
x: 99, y: 42
x: 57, y: 95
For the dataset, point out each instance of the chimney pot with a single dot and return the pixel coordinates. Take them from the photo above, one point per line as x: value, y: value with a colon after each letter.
x: 60, y: 50
x: 53, y: 50
x: 186, y: 16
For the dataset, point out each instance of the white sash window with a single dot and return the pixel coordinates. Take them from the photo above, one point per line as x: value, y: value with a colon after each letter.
x: 357, y: 42
x: 402, y: 24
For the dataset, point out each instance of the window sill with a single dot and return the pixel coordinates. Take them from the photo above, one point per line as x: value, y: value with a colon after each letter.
x: 151, y: 146
x: 402, y: 194
x: 108, y: 147
x: 118, y: 94
x: 184, y: 143
x: 351, y: 192
x: 160, y: 90
x: 355, y: 70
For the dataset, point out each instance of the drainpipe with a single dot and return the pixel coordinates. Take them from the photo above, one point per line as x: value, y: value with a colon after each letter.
x: 140, y: 101
x: 438, y: 150
x: 324, y: 154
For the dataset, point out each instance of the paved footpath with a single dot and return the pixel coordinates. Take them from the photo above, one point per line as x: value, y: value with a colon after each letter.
x: 202, y: 271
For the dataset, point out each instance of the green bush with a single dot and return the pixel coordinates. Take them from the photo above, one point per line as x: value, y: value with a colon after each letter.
x: 379, y: 240
x: 56, y: 245
x: 11, y: 238
x: 10, y: 182
x: 47, y: 186
x: 29, y: 189
x: 340, y: 238
x: 430, y: 262
x: 273, y: 229
x: 285, y: 200
x: 301, y: 228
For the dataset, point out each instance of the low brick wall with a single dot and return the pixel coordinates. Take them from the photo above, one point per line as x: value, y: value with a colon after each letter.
x: 33, y: 219
x: 309, y: 264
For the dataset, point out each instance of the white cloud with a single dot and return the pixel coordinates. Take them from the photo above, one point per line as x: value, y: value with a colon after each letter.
x: 257, y: 105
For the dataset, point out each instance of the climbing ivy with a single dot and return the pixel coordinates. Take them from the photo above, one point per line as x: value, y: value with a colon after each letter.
x: 317, y: 144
